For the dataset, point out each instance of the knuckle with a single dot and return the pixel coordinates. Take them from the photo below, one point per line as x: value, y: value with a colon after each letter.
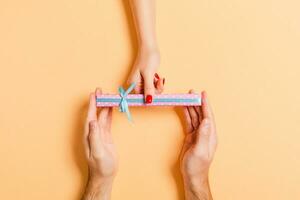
x: 92, y: 125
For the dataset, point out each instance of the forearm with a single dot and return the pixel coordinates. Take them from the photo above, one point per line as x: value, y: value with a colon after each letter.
x: 144, y: 17
x: 100, y: 190
x: 197, y: 189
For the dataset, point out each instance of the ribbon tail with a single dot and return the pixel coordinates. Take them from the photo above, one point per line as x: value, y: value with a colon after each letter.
x: 123, y: 104
x: 129, y: 116
x: 126, y: 110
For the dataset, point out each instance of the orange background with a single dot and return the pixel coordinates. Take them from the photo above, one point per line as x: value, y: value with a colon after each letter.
x: 244, y: 53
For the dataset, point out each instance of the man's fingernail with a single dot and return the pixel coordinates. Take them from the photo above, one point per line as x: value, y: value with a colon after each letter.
x: 164, y: 80
x: 203, y: 96
x: 156, y: 76
x: 149, y: 98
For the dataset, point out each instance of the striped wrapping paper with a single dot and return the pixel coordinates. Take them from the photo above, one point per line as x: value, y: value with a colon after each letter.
x: 111, y: 100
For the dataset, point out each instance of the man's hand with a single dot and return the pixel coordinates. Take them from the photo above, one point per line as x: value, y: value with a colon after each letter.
x: 100, y: 151
x: 198, y: 150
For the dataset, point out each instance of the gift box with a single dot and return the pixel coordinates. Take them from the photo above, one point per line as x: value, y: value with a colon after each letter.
x: 124, y: 100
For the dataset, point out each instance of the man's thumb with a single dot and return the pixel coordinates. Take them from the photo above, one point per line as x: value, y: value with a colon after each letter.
x: 94, y: 135
x: 204, y: 131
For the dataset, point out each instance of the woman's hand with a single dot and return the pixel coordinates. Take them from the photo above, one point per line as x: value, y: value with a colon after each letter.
x: 144, y: 74
x: 198, y: 149
x: 100, y: 151
x: 148, y: 57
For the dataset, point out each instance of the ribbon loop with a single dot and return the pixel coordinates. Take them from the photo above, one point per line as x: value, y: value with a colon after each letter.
x: 123, y: 106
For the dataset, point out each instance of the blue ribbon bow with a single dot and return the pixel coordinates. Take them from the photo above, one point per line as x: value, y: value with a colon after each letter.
x: 123, y: 107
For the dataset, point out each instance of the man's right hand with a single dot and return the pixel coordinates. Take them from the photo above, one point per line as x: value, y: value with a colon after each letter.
x: 198, y: 149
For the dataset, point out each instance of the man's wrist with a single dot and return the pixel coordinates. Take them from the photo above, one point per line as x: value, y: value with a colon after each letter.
x: 197, y: 188
x: 98, y: 189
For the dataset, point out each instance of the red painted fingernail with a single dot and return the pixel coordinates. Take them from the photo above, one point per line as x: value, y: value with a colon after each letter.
x: 164, y: 80
x: 156, y: 76
x: 149, y: 98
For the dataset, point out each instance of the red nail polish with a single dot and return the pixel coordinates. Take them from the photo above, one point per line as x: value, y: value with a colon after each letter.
x: 164, y: 80
x: 149, y: 98
x: 156, y: 76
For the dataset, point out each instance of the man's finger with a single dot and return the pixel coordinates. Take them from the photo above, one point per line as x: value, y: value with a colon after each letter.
x: 203, y: 137
x: 98, y: 91
x: 91, y: 115
x: 188, y: 120
x: 94, y: 138
x: 205, y: 106
x: 194, y: 117
x: 92, y: 110
x: 105, y: 117
x: 102, y: 115
x: 109, y: 119
x: 199, y: 112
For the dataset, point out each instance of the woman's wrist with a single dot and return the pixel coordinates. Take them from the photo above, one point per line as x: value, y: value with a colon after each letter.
x: 146, y: 46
